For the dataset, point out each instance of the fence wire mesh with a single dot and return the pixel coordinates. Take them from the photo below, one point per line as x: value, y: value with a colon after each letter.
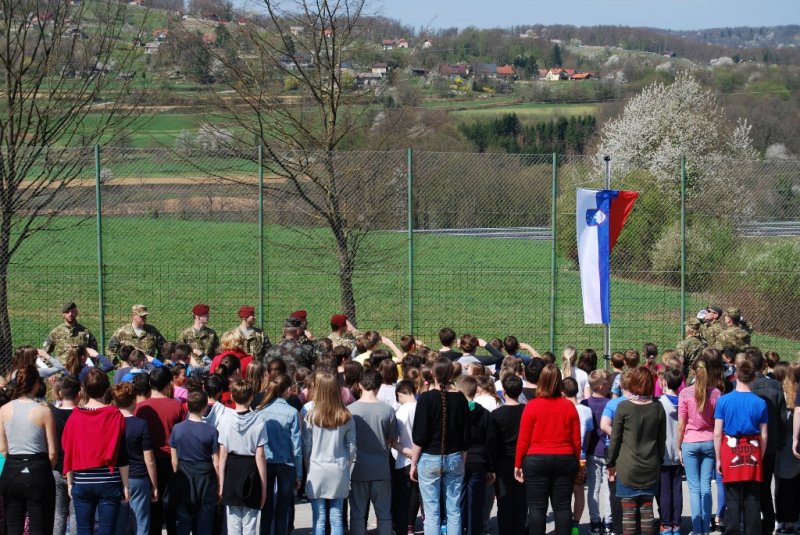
x: 485, y: 252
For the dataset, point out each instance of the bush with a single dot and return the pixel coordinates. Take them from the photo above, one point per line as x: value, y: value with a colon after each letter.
x: 710, y: 245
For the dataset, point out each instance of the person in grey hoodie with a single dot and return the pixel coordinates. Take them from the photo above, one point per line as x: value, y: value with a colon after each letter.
x: 242, y: 463
x: 670, y: 496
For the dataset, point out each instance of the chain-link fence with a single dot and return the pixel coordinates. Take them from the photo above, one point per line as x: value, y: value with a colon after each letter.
x: 488, y: 246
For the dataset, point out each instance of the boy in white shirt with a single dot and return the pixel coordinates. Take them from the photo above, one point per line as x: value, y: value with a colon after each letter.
x: 405, y: 500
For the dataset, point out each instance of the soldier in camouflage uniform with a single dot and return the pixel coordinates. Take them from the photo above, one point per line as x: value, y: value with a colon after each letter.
x: 735, y: 336
x: 307, y: 339
x: 68, y: 334
x: 138, y: 333
x: 256, y: 341
x: 203, y: 340
x: 290, y: 349
x: 342, y: 332
x: 692, y: 345
x: 713, y: 326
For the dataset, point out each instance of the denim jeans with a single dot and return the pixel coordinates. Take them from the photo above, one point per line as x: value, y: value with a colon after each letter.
x: 64, y: 511
x: 101, y: 498
x: 472, y: 498
x: 439, y: 475
x: 275, y: 514
x: 597, y: 491
x: 134, y: 516
x: 319, y: 510
x: 698, y: 461
x: 549, y: 478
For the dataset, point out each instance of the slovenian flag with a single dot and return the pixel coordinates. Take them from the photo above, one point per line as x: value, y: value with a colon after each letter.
x: 600, y: 216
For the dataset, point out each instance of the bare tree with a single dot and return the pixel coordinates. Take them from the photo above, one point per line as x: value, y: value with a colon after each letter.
x: 58, y: 58
x: 311, y: 46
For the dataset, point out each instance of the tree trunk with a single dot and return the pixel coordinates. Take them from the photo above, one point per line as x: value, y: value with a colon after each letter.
x: 346, y: 276
x: 6, y: 342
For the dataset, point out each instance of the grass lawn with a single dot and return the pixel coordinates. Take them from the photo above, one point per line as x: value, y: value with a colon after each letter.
x: 471, y: 284
x: 527, y: 113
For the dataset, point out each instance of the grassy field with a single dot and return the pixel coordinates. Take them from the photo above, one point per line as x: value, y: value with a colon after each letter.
x: 472, y: 284
x: 527, y: 113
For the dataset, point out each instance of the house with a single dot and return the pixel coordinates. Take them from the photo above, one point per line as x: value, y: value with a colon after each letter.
x: 75, y: 32
x: 669, y: 54
x: 296, y: 30
x: 368, y: 79
x: 137, y: 3
x: 160, y: 35
x: 505, y: 71
x: 418, y: 71
x: 152, y: 47
x: 242, y: 22
x: 555, y: 75
x: 126, y: 76
x: 486, y: 69
x: 380, y: 68
x: 388, y: 44
x: 582, y: 76
x: 427, y: 43
x: 401, y: 43
x: 529, y: 34
x: 211, y: 16
x: 327, y: 33
x: 454, y: 71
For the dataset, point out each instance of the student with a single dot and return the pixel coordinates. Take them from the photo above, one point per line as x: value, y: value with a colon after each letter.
x: 134, y: 516
x: 670, y: 496
x: 606, y: 422
x: 570, y: 369
x: 284, y: 455
x: 441, y: 435
x: 787, y: 466
x: 617, y: 366
x: 631, y: 360
x: 512, y: 504
x: 329, y: 447
x: 550, y: 444
x: 214, y: 386
x: 371, y: 480
x: 67, y: 389
x: 695, y: 440
x: 740, y: 439
x: 405, y: 499
x: 638, y: 442
x: 478, y: 470
x: 28, y: 444
x: 194, y: 451
x: 242, y: 463
x: 570, y: 390
x: 161, y: 413
x: 487, y: 396
x: 597, y: 482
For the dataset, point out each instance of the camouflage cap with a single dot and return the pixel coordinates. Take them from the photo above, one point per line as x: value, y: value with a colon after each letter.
x: 292, y: 323
x: 139, y: 310
x: 68, y: 306
x: 734, y: 313
x: 693, y: 322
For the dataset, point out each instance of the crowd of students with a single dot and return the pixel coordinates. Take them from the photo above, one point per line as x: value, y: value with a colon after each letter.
x: 441, y: 434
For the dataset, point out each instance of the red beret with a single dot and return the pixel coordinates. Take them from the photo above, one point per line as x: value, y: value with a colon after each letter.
x: 299, y: 314
x: 201, y: 310
x: 338, y: 320
x: 245, y: 312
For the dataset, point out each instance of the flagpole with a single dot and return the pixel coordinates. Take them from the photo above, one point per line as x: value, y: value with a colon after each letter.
x: 607, y: 326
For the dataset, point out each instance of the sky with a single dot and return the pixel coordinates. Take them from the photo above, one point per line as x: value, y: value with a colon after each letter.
x: 664, y: 14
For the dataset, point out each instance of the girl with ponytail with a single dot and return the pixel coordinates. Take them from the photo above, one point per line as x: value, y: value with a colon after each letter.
x: 570, y: 369
x: 284, y: 455
x: 695, y: 440
x: 441, y: 435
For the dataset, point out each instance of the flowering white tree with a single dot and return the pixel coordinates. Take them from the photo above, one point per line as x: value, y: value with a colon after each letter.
x: 667, y: 121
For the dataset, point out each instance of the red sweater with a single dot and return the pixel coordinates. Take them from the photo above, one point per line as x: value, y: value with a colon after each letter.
x: 549, y: 426
x: 92, y: 437
x: 244, y: 360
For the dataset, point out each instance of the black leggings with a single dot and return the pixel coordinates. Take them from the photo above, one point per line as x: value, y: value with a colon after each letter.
x: 32, y: 493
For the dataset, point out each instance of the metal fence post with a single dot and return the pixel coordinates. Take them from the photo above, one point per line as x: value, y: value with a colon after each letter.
x: 553, y: 251
x: 410, y: 210
x: 99, y: 213
x: 261, y: 235
x: 607, y: 326
x: 683, y: 247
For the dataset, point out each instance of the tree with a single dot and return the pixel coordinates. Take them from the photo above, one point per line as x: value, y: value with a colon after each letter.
x: 303, y: 47
x: 50, y: 82
x: 668, y: 121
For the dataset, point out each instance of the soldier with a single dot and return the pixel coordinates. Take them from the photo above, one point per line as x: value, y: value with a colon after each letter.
x: 256, y: 341
x: 68, y: 334
x: 290, y: 349
x: 692, y: 345
x: 713, y: 326
x: 735, y: 336
x: 136, y: 333
x: 203, y: 340
x: 307, y: 339
x: 343, y: 333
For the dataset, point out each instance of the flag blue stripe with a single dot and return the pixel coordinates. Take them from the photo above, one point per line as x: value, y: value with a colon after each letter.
x: 604, y: 199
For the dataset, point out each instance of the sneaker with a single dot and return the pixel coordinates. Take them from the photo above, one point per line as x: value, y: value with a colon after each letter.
x: 596, y: 528
x: 666, y: 530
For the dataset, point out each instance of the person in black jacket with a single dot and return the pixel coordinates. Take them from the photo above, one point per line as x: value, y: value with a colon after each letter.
x: 478, y: 471
x: 771, y: 391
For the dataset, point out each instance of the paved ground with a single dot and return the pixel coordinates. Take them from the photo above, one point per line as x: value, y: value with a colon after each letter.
x: 303, y: 517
